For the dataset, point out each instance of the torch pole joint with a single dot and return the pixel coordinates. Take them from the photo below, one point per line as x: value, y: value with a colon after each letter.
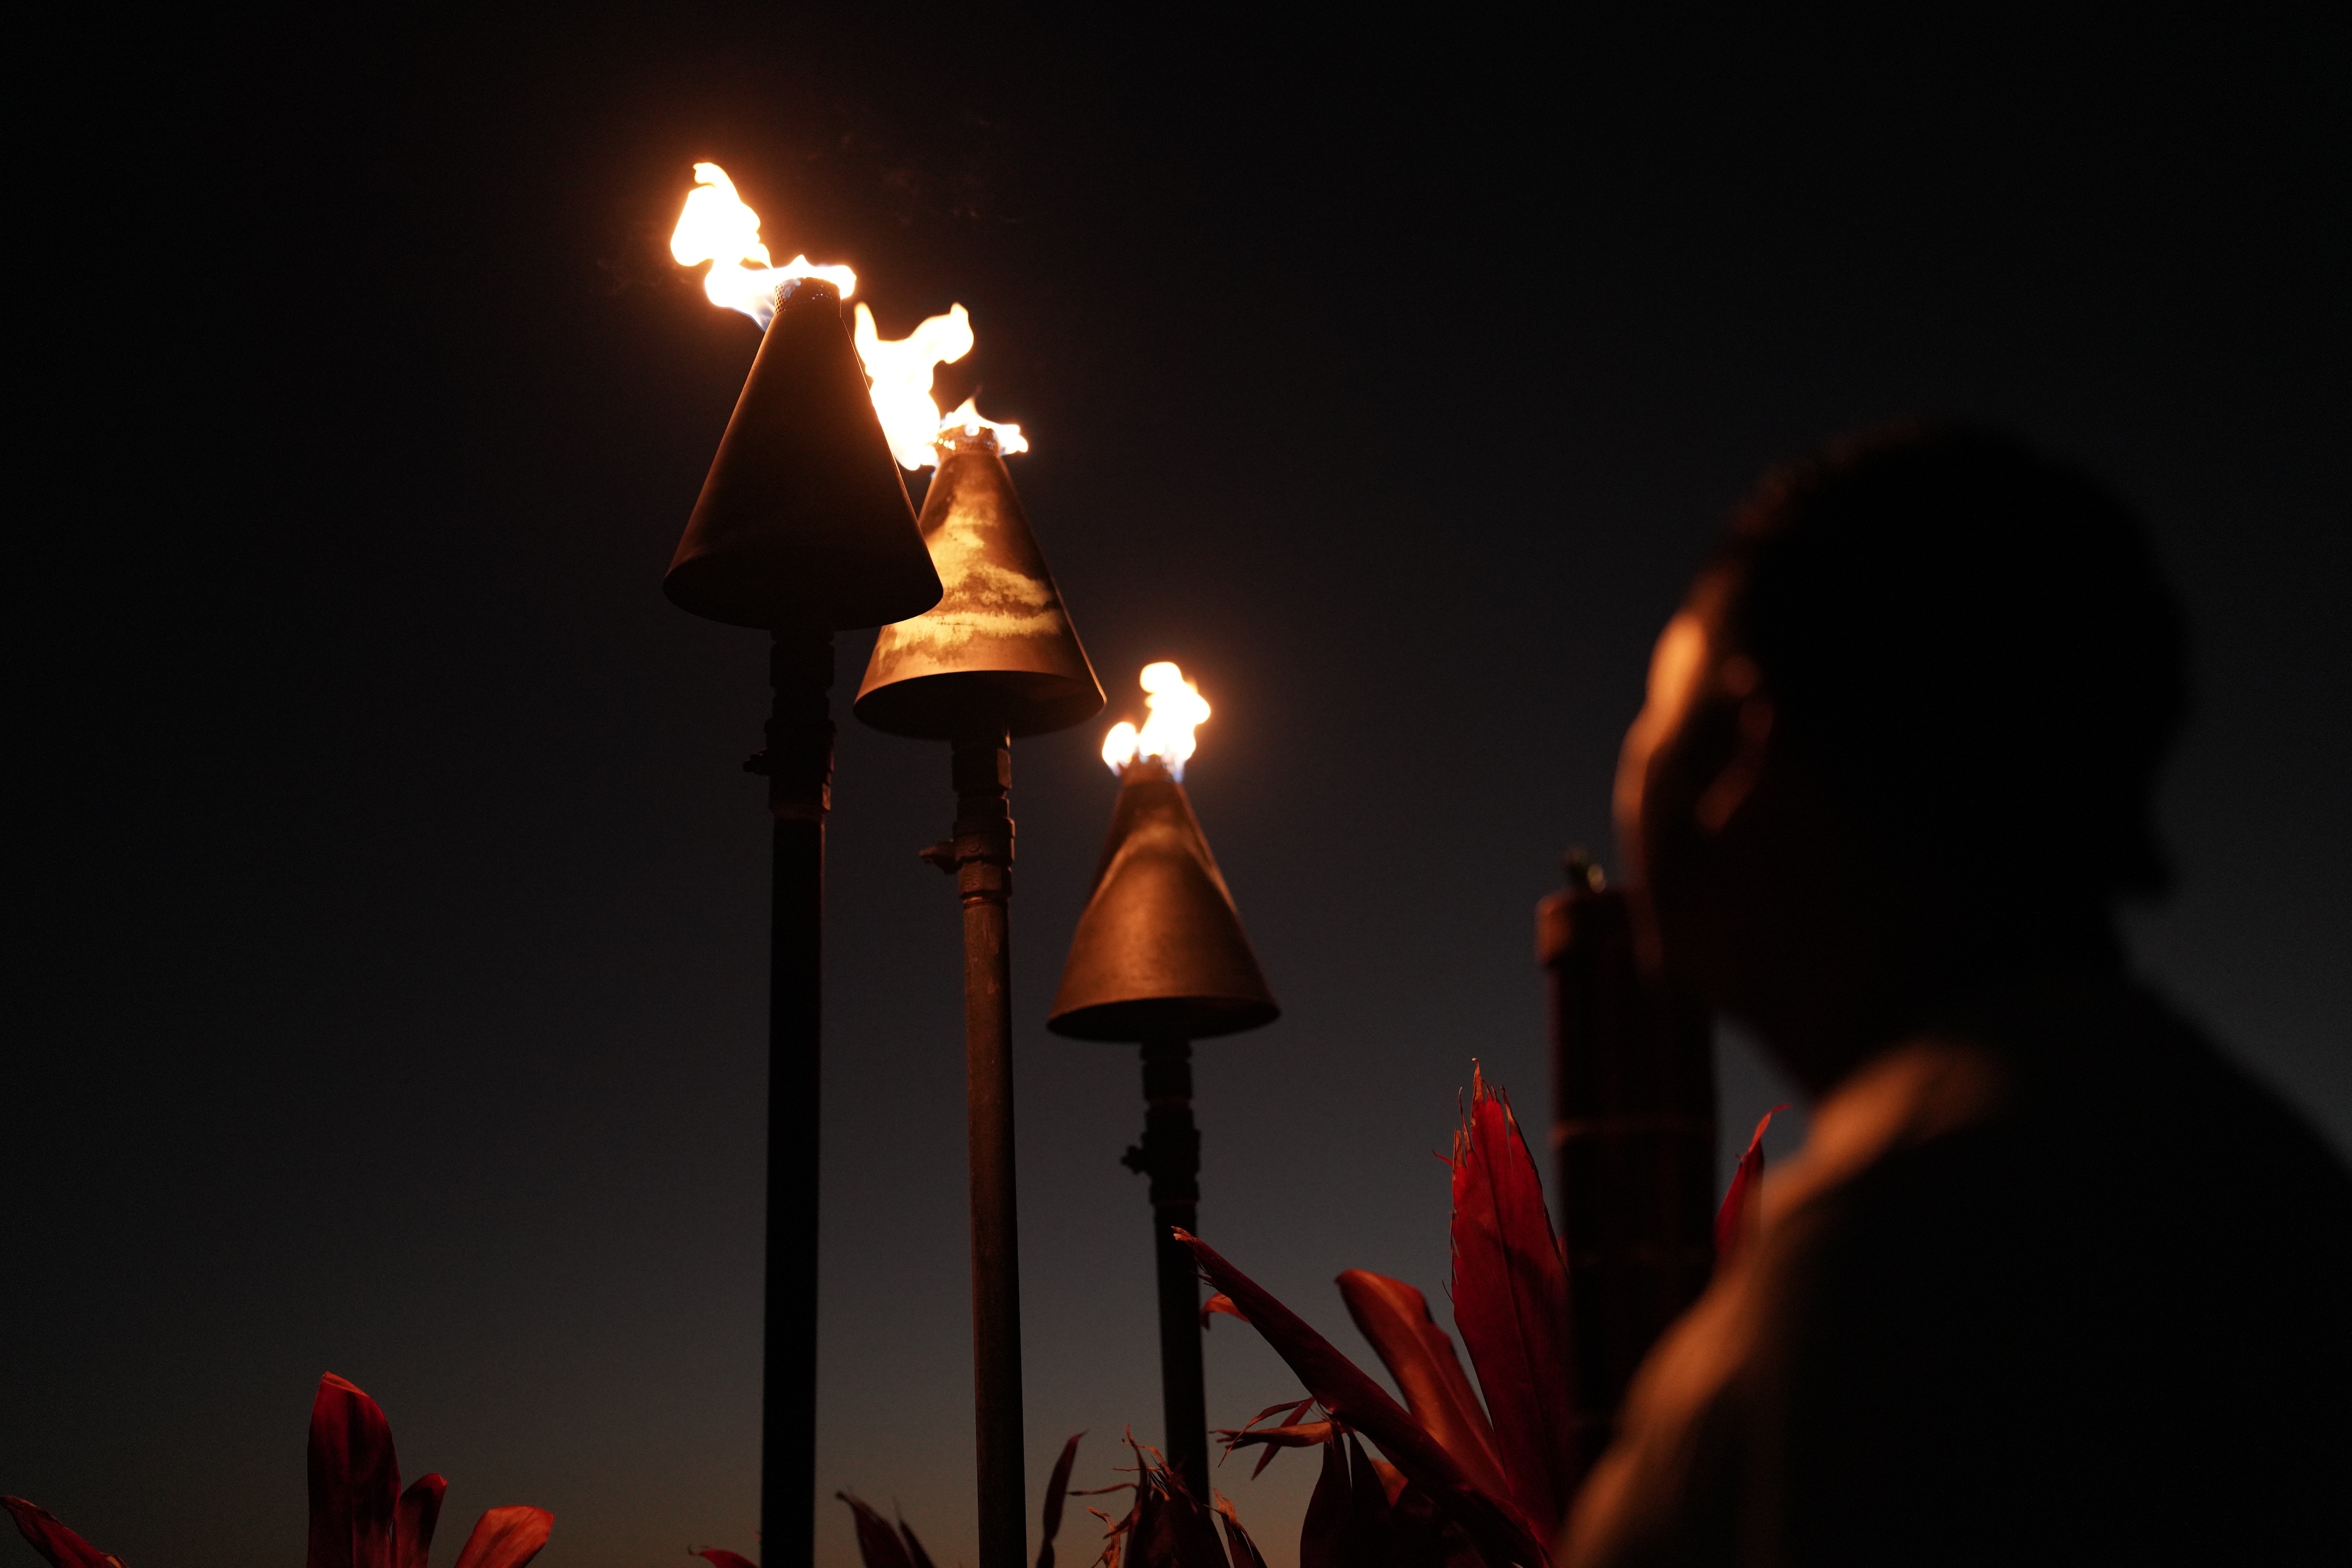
x: 798, y: 760
x: 981, y: 853
x: 1171, y: 1155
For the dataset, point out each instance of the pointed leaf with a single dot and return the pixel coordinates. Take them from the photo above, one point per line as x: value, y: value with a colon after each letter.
x: 354, y: 1479
x: 1510, y: 1303
x: 1731, y: 1220
x: 1303, y: 1435
x: 48, y: 1536
x: 1323, y: 1539
x: 1241, y: 1552
x: 1057, y: 1490
x: 915, y: 1552
x: 413, y: 1521
x: 1220, y: 1303
x: 878, y: 1545
x: 1169, y: 1528
x: 1299, y: 1435
x: 1357, y: 1400
x: 1372, y: 1539
x: 506, y: 1537
x: 1420, y: 1356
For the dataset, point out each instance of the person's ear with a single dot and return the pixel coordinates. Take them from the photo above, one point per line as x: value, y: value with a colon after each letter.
x: 1733, y: 787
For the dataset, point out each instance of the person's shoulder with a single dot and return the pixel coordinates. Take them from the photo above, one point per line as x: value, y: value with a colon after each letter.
x: 2098, y: 1093
x: 2198, y: 1107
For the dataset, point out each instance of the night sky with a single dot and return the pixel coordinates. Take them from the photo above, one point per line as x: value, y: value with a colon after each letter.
x: 393, y: 908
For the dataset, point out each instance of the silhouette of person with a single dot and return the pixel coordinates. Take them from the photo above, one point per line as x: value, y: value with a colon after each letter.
x: 2051, y: 1279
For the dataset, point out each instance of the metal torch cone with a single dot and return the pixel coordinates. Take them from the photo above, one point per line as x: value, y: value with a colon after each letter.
x: 997, y: 658
x: 1160, y: 959
x: 997, y: 652
x: 803, y: 529
x: 803, y: 520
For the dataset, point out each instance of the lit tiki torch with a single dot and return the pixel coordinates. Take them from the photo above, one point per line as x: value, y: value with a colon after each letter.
x: 802, y: 530
x: 996, y: 660
x: 1160, y: 958
x: 1633, y: 1132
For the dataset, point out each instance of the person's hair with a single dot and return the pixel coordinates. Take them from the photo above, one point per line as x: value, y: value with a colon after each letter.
x: 1976, y: 645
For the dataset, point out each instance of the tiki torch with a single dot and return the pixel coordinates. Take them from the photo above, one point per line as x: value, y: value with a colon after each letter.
x: 996, y: 660
x: 802, y: 530
x: 1634, y: 1134
x: 1160, y: 960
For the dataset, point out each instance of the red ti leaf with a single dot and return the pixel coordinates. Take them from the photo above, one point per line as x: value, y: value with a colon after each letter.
x: 1305, y: 1435
x: 49, y: 1537
x: 1220, y: 1303
x: 878, y: 1545
x: 1168, y: 1528
x: 1510, y: 1302
x: 413, y: 1521
x: 1369, y: 1526
x: 1731, y: 1220
x: 915, y: 1552
x: 1352, y: 1397
x: 354, y: 1479
x: 506, y: 1537
x: 1324, y: 1539
x: 1395, y: 1318
x: 1240, y: 1550
x: 1057, y: 1490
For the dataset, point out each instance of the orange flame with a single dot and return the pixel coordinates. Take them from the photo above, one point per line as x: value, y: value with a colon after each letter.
x: 1173, y: 708
x: 716, y: 227
x: 901, y: 371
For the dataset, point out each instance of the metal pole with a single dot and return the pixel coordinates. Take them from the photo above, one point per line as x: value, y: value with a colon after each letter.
x: 1171, y: 1154
x: 798, y: 764
x: 980, y: 855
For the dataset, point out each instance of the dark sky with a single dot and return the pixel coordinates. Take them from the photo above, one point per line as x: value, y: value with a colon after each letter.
x: 393, y: 908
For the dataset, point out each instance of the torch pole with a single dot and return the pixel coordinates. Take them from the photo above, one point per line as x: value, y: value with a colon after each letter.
x: 1634, y: 1132
x: 798, y: 763
x: 980, y: 855
x: 1171, y: 1155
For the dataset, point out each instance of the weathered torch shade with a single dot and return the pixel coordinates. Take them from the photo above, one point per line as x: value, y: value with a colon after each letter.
x: 1160, y: 952
x: 997, y: 654
x: 804, y: 521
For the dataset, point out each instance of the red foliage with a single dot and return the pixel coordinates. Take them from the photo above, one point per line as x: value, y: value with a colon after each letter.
x: 1057, y: 1488
x: 1168, y: 1527
x: 359, y: 1516
x: 1511, y: 1303
x: 1357, y: 1402
x: 1473, y: 1483
x: 1731, y: 1220
x: 879, y: 1543
x: 50, y: 1538
x: 1395, y: 1319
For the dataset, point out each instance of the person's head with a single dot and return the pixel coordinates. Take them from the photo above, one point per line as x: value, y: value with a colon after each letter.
x: 1903, y: 738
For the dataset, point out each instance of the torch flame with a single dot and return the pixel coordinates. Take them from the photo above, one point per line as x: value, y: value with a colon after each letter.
x: 1009, y: 439
x: 901, y: 371
x: 716, y: 227
x: 1174, y: 706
